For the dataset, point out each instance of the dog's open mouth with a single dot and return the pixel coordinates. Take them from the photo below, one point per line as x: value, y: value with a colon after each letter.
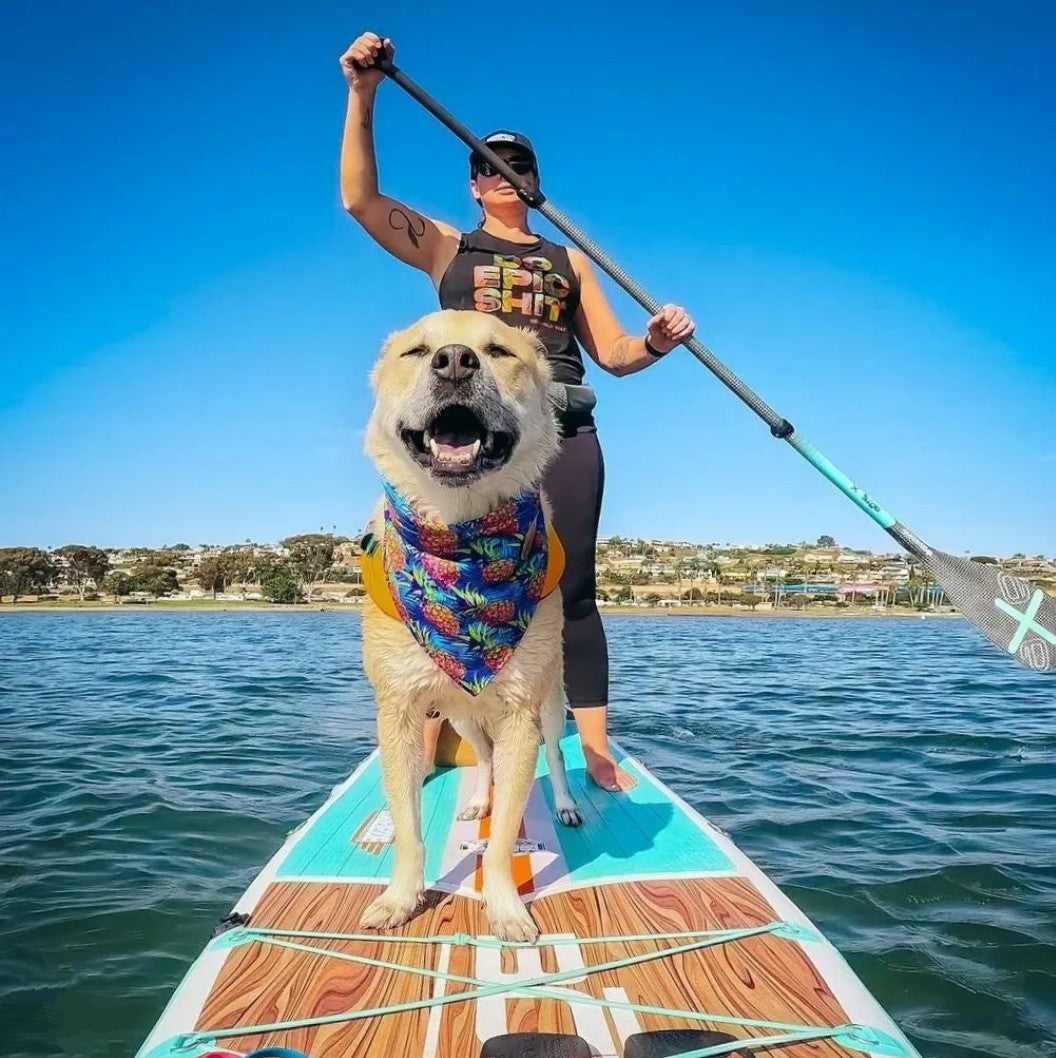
x: 457, y: 445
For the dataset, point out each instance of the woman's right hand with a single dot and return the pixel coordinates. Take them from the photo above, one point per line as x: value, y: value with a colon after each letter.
x: 357, y: 64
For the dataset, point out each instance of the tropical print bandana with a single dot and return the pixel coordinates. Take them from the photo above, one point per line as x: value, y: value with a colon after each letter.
x: 467, y: 592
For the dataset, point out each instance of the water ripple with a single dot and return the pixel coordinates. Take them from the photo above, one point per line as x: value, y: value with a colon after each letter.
x: 896, y: 778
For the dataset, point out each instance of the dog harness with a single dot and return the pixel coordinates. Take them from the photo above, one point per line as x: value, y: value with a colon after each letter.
x: 466, y: 592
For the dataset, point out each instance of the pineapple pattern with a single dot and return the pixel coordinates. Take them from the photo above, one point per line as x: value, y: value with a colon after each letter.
x: 497, y: 572
x: 466, y: 592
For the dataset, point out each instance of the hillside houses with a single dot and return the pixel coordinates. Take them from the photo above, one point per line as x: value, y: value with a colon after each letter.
x: 768, y: 567
x: 653, y: 571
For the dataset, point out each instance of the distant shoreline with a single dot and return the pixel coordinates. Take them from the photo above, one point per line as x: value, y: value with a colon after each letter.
x: 232, y: 606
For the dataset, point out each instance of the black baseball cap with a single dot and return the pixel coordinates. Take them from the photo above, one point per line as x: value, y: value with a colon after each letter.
x: 506, y: 138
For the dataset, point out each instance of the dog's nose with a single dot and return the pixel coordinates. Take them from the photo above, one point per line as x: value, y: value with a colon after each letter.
x: 455, y: 363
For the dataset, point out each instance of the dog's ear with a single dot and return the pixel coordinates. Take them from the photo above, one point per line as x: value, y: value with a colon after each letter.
x: 532, y: 336
x: 390, y: 340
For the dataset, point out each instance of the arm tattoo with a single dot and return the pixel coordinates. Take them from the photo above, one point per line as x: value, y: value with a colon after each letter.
x: 620, y: 354
x: 400, y: 220
x: 368, y: 119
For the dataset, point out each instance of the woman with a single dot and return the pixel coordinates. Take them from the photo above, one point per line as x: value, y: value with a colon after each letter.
x: 505, y: 268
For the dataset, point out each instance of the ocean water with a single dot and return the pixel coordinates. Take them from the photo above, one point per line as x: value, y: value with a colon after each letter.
x: 896, y: 777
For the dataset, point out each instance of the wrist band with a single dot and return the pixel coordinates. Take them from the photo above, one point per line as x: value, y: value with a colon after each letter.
x: 654, y: 352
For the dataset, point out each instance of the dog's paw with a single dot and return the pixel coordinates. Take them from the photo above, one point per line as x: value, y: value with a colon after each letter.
x: 568, y: 815
x: 567, y: 812
x: 393, y: 908
x: 475, y: 810
x: 509, y: 920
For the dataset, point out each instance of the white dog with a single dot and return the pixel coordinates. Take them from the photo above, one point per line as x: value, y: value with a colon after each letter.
x: 466, y: 620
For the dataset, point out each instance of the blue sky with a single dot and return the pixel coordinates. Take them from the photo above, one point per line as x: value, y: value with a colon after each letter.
x: 854, y: 201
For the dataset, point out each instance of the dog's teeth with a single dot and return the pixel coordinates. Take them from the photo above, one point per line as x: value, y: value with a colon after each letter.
x: 434, y: 447
x: 476, y: 447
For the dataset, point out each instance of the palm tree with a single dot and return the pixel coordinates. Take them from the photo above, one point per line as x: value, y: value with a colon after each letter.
x: 679, y: 569
x: 694, y: 567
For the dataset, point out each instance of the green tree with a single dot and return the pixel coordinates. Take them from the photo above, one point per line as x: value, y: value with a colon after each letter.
x: 210, y: 574
x: 25, y: 571
x: 240, y: 565
x: 692, y: 567
x: 919, y: 586
x: 279, y: 584
x: 118, y: 584
x: 826, y: 541
x: 310, y: 557
x: 156, y: 580
x: 679, y: 569
x: 158, y: 556
x: 268, y: 562
x: 84, y: 564
x: 985, y: 559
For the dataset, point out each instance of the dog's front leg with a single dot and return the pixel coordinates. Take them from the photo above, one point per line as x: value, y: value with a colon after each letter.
x: 517, y: 738
x: 400, y: 737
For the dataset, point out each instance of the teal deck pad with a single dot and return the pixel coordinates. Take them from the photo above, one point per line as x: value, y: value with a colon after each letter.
x: 326, y: 848
x: 638, y: 832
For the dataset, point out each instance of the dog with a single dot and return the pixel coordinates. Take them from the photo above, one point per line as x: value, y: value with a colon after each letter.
x: 468, y: 622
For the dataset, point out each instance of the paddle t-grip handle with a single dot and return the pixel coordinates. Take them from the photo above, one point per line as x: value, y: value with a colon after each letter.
x: 381, y: 60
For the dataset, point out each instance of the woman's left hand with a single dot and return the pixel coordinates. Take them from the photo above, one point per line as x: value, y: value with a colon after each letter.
x: 671, y: 326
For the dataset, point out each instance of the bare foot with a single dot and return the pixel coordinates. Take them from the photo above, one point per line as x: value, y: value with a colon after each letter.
x: 606, y: 773
x: 592, y: 722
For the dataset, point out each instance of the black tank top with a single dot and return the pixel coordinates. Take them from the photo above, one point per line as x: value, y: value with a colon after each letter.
x: 525, y: 285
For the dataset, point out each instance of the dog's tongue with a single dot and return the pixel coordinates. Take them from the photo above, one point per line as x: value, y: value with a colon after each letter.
x: 455, y: 446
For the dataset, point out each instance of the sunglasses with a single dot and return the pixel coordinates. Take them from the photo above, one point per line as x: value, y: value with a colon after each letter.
x: 521, y: 166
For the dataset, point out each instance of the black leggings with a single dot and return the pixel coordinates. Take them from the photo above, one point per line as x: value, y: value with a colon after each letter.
x: 574, y: 484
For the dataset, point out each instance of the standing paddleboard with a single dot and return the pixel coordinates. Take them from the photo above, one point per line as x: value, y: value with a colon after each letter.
x: 659, y: 938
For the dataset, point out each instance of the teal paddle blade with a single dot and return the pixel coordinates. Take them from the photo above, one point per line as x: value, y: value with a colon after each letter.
x: 1012, y: 613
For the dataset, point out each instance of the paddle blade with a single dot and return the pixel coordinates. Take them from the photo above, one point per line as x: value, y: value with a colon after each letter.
x: 1012, y: 613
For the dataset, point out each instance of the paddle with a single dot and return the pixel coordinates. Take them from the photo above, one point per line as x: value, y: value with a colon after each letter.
x: 1012, y: 613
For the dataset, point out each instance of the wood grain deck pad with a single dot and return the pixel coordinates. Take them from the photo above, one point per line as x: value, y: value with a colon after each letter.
x: 763, y: 977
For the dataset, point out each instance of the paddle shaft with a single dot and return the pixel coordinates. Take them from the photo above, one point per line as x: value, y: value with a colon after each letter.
x: 1014, y: 614
x: 780, y: 427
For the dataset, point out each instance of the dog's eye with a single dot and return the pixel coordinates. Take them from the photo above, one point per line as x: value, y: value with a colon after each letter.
x: 497, y: 350
x: 418, y: 350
